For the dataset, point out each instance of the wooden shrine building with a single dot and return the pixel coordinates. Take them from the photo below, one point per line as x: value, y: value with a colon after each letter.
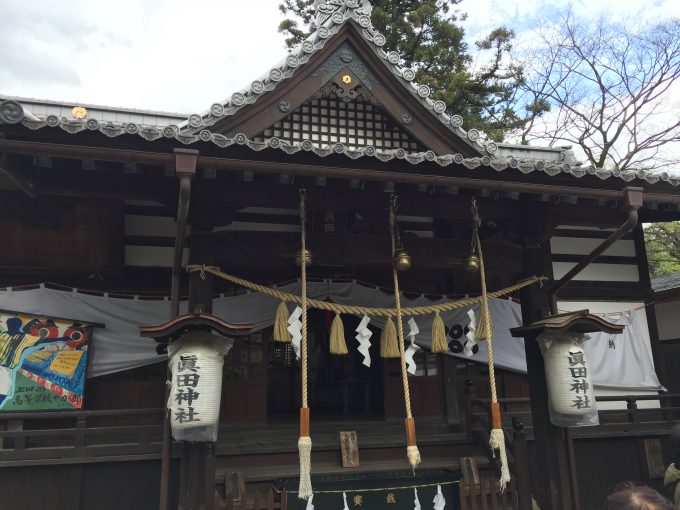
x: 112, y: 203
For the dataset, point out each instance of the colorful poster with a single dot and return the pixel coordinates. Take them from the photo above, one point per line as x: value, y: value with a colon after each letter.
x: 42, y: 362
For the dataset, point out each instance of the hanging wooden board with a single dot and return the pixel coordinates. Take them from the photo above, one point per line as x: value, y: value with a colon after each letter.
x: 349, y: 448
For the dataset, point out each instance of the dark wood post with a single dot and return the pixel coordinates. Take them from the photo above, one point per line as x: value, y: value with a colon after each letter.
x: 522, y: 472
x: 451, y: 405
x: 551, y: 472
x: 197, y: 470
x: 469, y: 392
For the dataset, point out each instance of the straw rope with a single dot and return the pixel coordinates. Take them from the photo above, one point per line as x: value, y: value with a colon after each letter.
x: 400, y: 325
x: 303, y: 281
x: 362, y: 310
x: 487, y: 320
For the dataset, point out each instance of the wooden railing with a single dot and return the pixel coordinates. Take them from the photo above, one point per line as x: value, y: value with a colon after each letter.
x: 481, y: 492
x: 631, y: 419
x: 235, y: 496
x: 63, y: 435
x: 478, y: 416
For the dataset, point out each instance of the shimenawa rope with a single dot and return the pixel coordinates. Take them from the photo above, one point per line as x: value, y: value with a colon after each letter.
x: 361, y: 310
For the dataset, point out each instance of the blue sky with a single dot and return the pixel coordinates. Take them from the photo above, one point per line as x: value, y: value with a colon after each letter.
x: 182, y: 56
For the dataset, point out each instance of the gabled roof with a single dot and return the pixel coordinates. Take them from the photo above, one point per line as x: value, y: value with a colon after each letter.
x: 332, y: 16
x: 666, y: 282
x: 581, y: 321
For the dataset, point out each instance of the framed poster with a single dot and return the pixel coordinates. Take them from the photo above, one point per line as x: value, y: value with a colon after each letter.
x: 43, y: 362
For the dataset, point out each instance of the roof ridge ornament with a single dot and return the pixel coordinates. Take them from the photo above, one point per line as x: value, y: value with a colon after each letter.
x: 337, y: 11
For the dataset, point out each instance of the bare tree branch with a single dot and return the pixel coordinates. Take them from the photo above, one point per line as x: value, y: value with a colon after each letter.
x: 610, y: 91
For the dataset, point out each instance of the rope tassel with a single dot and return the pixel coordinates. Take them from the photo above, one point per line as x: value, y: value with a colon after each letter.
x: 497, y: 442
x: 281, y: 333
x: 305, y: 451
x: 439, y: 343
x: 338, y: 344
x: 412, y: 451
x: 484, y: 325
x: 388, y: 340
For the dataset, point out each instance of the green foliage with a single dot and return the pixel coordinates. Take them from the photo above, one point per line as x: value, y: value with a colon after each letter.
x: 426, y: 35
x: 662, y: 241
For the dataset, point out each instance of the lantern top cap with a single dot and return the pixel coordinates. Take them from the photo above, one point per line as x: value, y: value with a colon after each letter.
x: 183, y: 324
x: 581, y: 321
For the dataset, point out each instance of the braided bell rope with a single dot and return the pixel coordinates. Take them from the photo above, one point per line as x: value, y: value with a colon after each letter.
x: 361, y: 310
x: 400, y: 325
x: 487, y: 319
x: 303, y: 281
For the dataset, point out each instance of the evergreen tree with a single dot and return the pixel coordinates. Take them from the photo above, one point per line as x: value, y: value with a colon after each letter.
x: 662, y: 241
x: 426, y: 35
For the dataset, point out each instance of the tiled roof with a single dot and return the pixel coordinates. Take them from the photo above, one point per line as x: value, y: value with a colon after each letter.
x: 666, y: 282
x: 331, y: 16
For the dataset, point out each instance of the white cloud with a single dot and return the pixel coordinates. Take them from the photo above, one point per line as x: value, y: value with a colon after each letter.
x: 182, y: 56
x: 171, y: 55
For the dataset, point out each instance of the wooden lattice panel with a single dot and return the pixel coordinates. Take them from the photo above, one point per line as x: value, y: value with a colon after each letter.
x: 328, y: 120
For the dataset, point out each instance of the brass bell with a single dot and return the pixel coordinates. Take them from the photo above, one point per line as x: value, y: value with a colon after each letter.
x: 402, y: 260
x: 307, y: 257
x: 471, y: 263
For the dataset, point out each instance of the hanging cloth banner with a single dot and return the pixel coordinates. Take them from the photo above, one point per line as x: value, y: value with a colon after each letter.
x: 625, y: 363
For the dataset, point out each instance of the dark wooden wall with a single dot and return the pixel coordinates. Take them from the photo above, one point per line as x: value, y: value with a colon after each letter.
x: 61, y: 233
x: 602, y: 463
x: 101, y: 486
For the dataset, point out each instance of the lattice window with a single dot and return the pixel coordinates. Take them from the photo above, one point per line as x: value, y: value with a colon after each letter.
x: 328, y: 120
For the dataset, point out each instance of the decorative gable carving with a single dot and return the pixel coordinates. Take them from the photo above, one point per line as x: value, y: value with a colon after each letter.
x: 345, y: 59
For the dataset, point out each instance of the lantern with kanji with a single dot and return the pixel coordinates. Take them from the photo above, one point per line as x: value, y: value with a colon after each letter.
x: 567, y: 370
x: 196, y: 346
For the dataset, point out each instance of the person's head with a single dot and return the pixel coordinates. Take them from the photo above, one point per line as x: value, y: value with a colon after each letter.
x: 628, y: 496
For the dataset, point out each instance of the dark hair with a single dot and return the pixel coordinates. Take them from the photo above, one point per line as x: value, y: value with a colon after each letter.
x: 628, y: 496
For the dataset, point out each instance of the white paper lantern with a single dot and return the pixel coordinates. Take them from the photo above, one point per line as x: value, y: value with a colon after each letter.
x: 196, y: 367
x: 568, y: 376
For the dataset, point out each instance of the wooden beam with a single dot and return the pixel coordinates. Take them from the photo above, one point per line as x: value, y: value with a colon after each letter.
x: 276, y: 249
x: 22, y: 183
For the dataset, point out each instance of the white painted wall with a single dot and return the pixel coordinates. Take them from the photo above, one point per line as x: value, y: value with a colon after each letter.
x: 599, y: 272
x: 583, y: 246
x: 668, y: 320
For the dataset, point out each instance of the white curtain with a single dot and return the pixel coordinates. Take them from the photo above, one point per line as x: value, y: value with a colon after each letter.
x: 624, y: 364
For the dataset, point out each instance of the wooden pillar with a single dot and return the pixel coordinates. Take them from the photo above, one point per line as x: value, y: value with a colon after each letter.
x: 451, y: 406
x: 551, y: 471
x: 197, y: 470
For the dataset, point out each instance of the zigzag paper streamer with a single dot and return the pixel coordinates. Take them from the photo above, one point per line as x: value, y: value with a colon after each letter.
x: 295, y: 330
x: 344, y: 497
x: 412, y: 348
x: 439, y: 501
x: 309, y: 503
x: 364, y: 338
x: 471, y: 340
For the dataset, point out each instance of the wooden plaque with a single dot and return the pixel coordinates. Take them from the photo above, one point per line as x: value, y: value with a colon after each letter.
x: 349, y: 449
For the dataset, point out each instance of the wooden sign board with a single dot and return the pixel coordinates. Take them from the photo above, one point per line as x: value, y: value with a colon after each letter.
x: 349, y: 449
